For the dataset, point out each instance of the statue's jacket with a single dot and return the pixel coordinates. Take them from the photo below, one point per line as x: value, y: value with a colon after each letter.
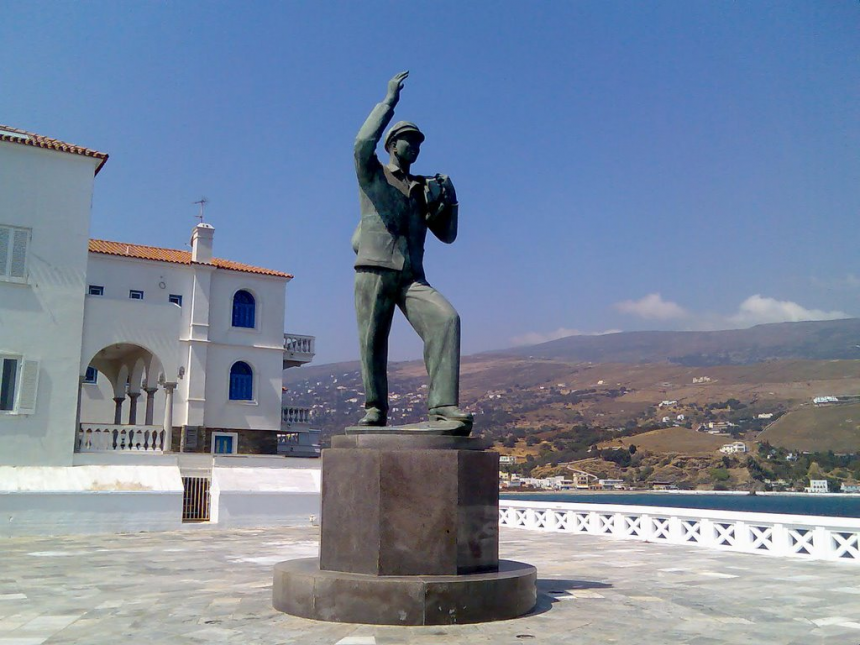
x: 395, y: 214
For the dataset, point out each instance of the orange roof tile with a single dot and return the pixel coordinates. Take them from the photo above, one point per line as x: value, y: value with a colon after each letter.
x: 142, y: 252
x: 14, y: 135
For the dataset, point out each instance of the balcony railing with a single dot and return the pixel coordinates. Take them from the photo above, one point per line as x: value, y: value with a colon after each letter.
x: 292, y: 416
x: 797, y: 536
x: 299, y: 444
x: 100, y: 437
x: 298, y: 349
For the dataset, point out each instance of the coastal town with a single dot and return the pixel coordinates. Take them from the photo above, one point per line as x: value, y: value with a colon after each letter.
x: 602, y: 436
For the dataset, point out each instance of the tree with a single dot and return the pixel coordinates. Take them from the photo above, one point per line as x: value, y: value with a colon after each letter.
x: 814, y: 471
x: 632, y: 449
x: 720, y: 474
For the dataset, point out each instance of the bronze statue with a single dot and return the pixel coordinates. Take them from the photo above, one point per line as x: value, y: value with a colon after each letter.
x: 397, y: 208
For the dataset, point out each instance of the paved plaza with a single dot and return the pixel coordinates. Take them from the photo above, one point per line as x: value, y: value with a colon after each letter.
x: 205, y: 585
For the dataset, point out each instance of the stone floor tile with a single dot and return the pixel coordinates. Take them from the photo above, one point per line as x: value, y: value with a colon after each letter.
x: 206, y: 585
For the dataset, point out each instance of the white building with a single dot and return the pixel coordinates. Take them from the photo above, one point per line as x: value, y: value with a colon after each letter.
x: 733, y: 448
x: 46, y: 189
x: 208, y: 333
x: 189, y: 352
x: 611, y: 484
x: 817, y: 486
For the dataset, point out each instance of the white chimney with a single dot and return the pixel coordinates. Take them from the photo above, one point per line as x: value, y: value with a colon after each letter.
x: 201, y: 243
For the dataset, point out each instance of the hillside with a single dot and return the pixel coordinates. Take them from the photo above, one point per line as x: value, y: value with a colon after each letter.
x: 819, y: 340
x: 557, y: 408
x: 668, y: 440
x: 812, y: 428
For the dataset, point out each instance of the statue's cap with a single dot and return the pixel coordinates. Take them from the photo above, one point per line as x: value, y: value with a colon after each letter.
x: 399, y: 129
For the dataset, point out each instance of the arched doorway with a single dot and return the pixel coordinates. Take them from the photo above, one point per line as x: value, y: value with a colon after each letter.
x: 119, y: 414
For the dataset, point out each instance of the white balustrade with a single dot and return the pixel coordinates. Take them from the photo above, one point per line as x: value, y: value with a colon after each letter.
x: 293, y: 415
x: 799, y: 536
x: 299, y: 344
x: 100, y: 437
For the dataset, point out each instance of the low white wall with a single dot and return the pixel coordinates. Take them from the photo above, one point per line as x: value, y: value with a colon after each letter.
x: 263, y: 497
x: 89, y: 500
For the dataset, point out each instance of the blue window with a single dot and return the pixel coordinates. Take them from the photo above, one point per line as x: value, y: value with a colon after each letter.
x: 223, y: 445
x: 96, y: 290
x: 92, y: 375
x: 135, y: 294
x: 243, y: 309
x: 241, y: 382
x: 175, y: 299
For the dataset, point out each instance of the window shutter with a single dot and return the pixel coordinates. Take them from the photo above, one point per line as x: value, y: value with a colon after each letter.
x: 19, y: 254
x: 27, y: 388
x: 4, y: 249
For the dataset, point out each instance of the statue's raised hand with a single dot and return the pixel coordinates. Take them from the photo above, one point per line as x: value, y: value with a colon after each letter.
x: 394, y: 87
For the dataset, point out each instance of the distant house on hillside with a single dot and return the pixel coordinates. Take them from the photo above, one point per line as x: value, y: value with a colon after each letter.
x: 581, y: 479
x: 733, y: 448
x: 664, y: 485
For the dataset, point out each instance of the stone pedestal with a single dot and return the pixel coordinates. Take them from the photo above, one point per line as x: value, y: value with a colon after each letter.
x: 409, y: 536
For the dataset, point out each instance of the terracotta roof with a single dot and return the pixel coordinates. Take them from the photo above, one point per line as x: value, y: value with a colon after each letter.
x: 14, y: 135
x: 142, y: 252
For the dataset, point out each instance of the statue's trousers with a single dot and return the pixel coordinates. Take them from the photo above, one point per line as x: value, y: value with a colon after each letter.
x: 377, y: 292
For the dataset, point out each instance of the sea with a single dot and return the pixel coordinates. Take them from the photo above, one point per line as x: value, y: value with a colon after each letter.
x: 838, y: 505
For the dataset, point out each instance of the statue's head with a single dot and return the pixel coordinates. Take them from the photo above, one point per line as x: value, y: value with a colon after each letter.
x: 404, y: 141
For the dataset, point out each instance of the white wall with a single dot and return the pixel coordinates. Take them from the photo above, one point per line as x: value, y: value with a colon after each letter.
x: 152, y: 323
x: 260, y: 492
x: 262, y: 348
x: 118, y: 275
x: 89, y: 499
x: 50, y: 192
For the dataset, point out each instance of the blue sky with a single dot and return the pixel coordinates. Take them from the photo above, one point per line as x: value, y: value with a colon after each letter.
x: 619, y: 165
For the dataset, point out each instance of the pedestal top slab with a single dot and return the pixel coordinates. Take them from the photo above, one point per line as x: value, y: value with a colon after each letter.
x: 408, y: 441
x: 444, y: 428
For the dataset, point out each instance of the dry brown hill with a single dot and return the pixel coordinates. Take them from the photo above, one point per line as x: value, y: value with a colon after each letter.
x: 811, y: 428
x: 668, y: 440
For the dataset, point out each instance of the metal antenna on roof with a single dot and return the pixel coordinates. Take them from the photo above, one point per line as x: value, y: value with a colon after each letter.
x: 202, y: 201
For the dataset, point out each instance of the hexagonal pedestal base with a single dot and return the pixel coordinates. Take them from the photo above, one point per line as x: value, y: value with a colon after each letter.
x: 302, y: 589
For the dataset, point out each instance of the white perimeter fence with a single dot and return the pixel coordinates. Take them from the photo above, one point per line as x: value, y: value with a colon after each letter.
x: 796, y: 536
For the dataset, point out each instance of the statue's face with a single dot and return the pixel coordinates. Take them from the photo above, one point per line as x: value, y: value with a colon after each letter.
x: 406, y: 148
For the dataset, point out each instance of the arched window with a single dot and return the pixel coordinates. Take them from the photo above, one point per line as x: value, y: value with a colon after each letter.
x: 241, y: 382
x: 243, y: 309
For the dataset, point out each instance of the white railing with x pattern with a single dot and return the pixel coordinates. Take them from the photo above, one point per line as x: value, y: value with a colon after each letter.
x: 99, y: 437
x: 799, y: 536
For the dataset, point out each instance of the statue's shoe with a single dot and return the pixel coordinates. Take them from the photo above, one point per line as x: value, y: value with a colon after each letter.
x: 373, y: 417
x: 451, y: 413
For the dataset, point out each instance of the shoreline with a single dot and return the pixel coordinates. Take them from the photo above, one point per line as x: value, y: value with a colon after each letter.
x: 742, y: 493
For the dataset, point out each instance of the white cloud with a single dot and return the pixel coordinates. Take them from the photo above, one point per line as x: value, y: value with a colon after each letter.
x: 535, y: 337
x: 757, y: 310
x: 652, y: 307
